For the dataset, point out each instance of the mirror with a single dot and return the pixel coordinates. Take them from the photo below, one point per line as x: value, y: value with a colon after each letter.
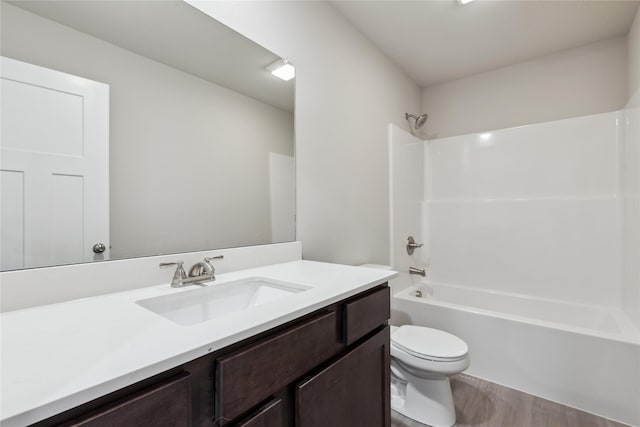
x: 147, y: 127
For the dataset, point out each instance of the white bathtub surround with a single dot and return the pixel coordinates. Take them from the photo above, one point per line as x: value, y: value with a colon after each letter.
x: 405, y: 195
x: 39, y: 286
x: 630, y: 191
x: 566, y: 249
x: 531, y: 210
x: 97, y: 345
x: 533, y: 237
x: 580, y: 366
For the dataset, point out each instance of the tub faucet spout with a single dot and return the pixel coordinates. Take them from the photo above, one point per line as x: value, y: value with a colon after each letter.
x: 418, y: 271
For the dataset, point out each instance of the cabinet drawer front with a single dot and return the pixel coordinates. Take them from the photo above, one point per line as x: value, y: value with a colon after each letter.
x: 364, y: 314
x: 250, y: 375
x: 271, y: 415
x: 165, y: 404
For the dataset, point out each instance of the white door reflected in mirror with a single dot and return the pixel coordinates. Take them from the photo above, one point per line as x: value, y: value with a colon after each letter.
x: 55, y: 167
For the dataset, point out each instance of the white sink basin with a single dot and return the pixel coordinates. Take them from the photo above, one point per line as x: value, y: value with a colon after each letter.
x: 217, y: 300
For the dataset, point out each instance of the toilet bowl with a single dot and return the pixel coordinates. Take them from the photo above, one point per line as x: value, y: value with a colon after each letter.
x: 422, y: 360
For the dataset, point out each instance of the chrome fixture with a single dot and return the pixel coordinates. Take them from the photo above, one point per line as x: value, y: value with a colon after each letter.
x: 418, y: 271
x: 419, y: 121
x: 199, y: 273
x: 419, y: 293
x: 179, y: 274
x: 99, y: 247
x: 204, y: 267
x: 412, y: 245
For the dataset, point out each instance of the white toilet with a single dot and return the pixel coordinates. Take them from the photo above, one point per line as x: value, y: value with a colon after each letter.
x: 422, y: 360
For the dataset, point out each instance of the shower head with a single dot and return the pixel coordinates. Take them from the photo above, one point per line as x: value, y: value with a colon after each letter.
x: 419, y: 120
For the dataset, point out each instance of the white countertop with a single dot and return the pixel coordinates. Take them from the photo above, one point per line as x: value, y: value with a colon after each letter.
x: 58, y: 356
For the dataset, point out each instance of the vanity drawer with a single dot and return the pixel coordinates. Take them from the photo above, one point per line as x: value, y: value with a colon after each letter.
x: 250, y: 375
x: 363, y: 315
x: 270, y: 415
x: 165, y: 404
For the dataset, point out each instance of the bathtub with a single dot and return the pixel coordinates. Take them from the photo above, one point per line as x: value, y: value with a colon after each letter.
x: 587, y: 357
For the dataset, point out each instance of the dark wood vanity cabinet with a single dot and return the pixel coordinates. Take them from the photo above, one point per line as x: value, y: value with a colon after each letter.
x: 327, y: 369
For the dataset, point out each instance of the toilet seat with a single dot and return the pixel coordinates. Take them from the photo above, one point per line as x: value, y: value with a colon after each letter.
x: 429, y: 344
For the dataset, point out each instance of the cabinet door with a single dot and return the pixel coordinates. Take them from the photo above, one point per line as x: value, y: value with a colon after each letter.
x: 351, y: 392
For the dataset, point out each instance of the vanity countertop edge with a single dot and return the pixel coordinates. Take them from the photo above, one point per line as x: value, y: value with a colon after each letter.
x: 58, y: 356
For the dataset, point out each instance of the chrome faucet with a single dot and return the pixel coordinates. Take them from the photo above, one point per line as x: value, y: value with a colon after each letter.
x: 204, y: 268
x: 199, y: 273
x: 417, y: 271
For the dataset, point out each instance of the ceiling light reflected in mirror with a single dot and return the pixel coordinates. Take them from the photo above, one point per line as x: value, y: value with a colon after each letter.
x: 282, y: 69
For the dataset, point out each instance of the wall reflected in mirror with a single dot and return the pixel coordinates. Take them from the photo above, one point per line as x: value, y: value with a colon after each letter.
x: 146, y: 126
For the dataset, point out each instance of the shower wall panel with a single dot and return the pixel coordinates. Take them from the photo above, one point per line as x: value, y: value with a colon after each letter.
x: 405, y: 195
x: 630, y: 162
x: 530, y: 210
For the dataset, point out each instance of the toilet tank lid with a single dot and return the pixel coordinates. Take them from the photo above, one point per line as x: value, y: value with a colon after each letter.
x: 419, y: 340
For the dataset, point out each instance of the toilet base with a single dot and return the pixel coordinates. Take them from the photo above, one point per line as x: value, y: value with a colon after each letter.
x: 428, y: 401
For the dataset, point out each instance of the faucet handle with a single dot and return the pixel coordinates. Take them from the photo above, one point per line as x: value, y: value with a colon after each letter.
x: 412, y: 245
x: 180, y: 274
x: 169, y: 264
x: 208, y: 260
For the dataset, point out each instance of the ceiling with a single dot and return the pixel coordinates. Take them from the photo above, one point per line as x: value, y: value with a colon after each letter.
x: 178, y: 35
x: 436, y: 41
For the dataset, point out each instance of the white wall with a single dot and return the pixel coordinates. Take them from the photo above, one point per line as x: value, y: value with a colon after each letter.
x: 630, y: 191
x: 282, y: 177
x: 630, y: 182
x: 633, y: 57
x: 576, y: 82
x: 531, y: 210
x: 346, y: 94
x: 180, y: 147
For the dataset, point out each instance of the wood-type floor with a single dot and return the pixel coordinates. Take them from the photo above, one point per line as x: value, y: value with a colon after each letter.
x: 481, y: 403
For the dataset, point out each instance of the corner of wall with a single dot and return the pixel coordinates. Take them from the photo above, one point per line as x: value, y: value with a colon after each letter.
x: 633, y: 58
x: 331, y: 142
